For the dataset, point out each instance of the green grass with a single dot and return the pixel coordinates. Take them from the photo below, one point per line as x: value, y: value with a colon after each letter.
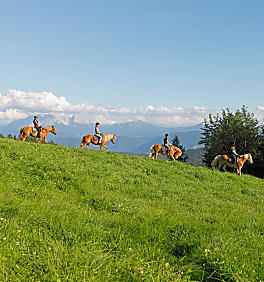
x: 84, y: 215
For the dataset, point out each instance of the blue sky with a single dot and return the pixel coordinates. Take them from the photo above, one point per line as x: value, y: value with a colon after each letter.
x: 135, y: 53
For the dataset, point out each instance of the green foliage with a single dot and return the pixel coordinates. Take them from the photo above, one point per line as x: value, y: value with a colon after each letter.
x: 177, y: 143
x: 239, y: 129
x: 84, y: 215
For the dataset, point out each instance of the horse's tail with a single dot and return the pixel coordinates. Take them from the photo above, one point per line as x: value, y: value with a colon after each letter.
x: 20, y: 134
x: 83, y: 142
x: 215, y: 161
x: 151, y: 151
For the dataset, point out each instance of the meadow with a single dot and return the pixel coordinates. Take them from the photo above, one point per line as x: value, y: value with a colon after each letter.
x: 70, y: 214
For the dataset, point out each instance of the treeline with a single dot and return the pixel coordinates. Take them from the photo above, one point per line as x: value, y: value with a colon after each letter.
x: 28, y: 139
x: 240, y: 129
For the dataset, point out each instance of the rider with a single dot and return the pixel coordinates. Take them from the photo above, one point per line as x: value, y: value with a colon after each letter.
x: 98, y: 133
x: 37, y: 125
x: 233, y: 155
x: 167, y: 144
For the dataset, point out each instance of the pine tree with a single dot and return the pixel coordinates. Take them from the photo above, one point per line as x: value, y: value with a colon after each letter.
x: 176, y: 142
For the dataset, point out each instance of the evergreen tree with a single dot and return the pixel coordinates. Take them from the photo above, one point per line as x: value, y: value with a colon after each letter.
x: 239, y: 129
x: 176, y: 142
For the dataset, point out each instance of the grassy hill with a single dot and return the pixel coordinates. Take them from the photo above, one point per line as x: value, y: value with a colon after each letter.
x: 72, y: 214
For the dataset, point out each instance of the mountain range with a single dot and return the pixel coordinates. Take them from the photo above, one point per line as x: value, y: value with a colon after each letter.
x: 134, y: 137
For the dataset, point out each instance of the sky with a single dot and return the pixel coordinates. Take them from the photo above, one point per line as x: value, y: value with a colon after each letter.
x: 166, y: 62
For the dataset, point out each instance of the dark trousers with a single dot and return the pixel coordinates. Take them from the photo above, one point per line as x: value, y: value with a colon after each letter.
x: 39, y: 131
x: 233, y: 157
x: 167, y: 147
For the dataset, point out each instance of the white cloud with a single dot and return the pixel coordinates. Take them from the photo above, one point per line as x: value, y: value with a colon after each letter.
x: 260, y: 114
x: 16, y: 104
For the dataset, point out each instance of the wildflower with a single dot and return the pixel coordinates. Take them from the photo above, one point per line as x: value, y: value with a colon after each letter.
x: 34, y: 253
x: 130, y: 249
x: 9, y: 221
x: 2, y: 218
x: 8, y: 195
x: 167, y: 264
x: 17, y: 243
x: 235, y: 258
x: 4, y: 238
x: 85, y: 212
x: 18, y: 230
x: 58, y: 260
x: 140, y: 270
x: 49, y: 249
x: 16, y: 227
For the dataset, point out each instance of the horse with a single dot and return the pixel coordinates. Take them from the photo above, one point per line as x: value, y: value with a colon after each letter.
x: 28, y: 130
x: 87, y: 139
x: 223, y: 160
x: 175, y: 152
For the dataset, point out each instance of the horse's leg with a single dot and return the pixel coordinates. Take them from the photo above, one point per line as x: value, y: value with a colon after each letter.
x: 171, y: 155
x: 156, y: 154
x: 39, y: 139
x: 45, y: 140
x: 106, y: 148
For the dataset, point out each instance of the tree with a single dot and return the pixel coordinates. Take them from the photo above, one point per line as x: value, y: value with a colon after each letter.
x: 176, y: 142
x: 240, y: 129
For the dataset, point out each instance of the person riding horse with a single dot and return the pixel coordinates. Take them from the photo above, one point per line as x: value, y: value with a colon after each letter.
x: 167, y: 144
x: 37, y: 125
x: 98, y: 133
x: 233, y: 155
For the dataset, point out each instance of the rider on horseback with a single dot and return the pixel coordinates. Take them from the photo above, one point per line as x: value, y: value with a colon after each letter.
x: 233, y: 155
x: 98, y: 133
x: 37, y: 126
x: 167, y: 144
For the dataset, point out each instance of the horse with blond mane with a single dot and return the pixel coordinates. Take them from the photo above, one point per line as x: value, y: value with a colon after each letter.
x: 223, y: 161
x: 175, y: 152
x: 87, y: 139
x: 28, y: 130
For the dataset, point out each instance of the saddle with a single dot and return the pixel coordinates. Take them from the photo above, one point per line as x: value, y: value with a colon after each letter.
x: 96, y: 139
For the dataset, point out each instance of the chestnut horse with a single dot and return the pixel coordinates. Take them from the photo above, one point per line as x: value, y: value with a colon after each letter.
x: 28, y: 130
x: 175, y: 152
x: 223, y: 160
x: 87, y: 139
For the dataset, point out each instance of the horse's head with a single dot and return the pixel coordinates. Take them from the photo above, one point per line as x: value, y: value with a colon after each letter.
x: 113, y: 139
x: 248, y: 157
x: 53, y: 130
x: 177, y: 152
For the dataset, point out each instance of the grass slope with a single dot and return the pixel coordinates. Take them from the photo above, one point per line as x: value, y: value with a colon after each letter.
x: 72, y: 214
